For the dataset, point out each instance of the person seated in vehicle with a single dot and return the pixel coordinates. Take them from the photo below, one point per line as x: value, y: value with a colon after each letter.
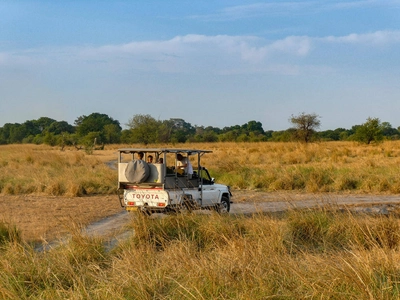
x: 140, y: 155
x: 184, y: 165
x: 150, y: 159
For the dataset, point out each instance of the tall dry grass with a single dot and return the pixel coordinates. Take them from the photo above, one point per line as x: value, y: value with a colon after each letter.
x: 317, y: 167
x: 32, y: 169
x: 305, y: 254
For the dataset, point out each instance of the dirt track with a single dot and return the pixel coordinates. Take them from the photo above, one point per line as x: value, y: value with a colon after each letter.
x: 48, y: 218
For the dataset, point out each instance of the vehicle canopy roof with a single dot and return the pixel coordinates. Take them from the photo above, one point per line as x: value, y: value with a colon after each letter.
x: 163, y: 150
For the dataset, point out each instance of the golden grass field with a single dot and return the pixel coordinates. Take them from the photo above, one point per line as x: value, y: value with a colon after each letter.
x: 42, y: 187
x: 339, y: 167
x: 308, y: 254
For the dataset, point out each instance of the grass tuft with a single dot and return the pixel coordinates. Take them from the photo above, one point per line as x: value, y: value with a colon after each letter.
x: 8, y: 234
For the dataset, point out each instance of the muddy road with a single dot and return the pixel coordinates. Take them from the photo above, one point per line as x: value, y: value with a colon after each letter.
x: 44, y: 218
x: 246, y: 202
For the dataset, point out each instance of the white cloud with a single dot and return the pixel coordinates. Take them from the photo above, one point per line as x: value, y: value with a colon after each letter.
x: 374, y: 38
x: 288, y: 7
x: 298, y: 45
x: 258, y: 9
x: 362, y: 3
x: 24, y: 58
x: 248, y: 49
x: 219, y: 54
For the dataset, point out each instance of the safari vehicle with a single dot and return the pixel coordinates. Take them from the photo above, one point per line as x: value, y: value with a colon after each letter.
x: 163, y: 187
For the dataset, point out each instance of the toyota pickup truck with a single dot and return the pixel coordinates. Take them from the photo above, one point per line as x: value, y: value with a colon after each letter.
x: 167, y: 180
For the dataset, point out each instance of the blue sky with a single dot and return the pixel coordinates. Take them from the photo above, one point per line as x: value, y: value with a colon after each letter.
x: 211, y: 63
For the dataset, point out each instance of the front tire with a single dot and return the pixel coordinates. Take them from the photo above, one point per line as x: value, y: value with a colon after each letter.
x: 225, y: 206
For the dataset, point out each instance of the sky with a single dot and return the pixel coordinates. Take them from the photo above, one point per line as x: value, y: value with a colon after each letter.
x: 212, y: 63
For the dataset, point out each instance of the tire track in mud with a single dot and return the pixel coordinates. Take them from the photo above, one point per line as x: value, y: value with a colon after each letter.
x: 115, y: 228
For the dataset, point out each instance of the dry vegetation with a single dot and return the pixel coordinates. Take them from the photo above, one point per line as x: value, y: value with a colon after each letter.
x: 301, y: 254
x: 41, y: 170
x: 318, y: 167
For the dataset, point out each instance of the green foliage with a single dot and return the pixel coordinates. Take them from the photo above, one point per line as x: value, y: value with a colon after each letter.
x: 126, y: 136
x: 58, y: 128
x: 144, y: 129
x: 333, y: 135
x: 208, y: 134
x: 283, y: 136
x: 229, y: 136
x: 181, y: 131
x: 43, y: 123
x: 253, y: 126
x: 91, y: 139
x: 95, y: 122
x: 50, y: 139
x: 112, y: 134
x: 249, y: 132
x: 43, y: 130
x: 370, y: 131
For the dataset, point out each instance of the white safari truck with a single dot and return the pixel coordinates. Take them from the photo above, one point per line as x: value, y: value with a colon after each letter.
x: 165, y: 180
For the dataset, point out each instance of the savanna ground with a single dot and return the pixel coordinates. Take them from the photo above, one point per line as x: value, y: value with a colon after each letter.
x: 319, y: 253
x: 43, y: 189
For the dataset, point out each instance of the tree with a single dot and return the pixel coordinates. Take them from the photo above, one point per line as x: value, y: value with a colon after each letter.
x: 388, y: 131
x: 17, y: 132
x: 305, y: 126
x: 165, y: 130
x: 112, y: 133
x: 60, y: 127
x: 332, y: 135
x: 253, y: 126
x: 283, y: 135
x: 229, y: 136
x: 144, y: 129
x: 370, y: 131
x: 181, y: 131
x: 43, y: 123
x: 97, y: 123
x: 208, y: 134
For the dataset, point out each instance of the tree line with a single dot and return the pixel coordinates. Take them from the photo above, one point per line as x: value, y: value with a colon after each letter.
x: 96, y: 130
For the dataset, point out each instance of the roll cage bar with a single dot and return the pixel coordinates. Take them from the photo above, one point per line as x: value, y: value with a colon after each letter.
x: 162, y: 153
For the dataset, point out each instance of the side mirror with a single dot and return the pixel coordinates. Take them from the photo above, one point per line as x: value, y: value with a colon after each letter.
x: 213, y: 179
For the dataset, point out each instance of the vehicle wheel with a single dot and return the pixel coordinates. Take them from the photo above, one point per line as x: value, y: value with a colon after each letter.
x: 225, y: 206
x: 172, y: 211
x: 189, y: 205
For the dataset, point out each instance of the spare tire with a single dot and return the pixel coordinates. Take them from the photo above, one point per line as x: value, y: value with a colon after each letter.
x: 137, y: 171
